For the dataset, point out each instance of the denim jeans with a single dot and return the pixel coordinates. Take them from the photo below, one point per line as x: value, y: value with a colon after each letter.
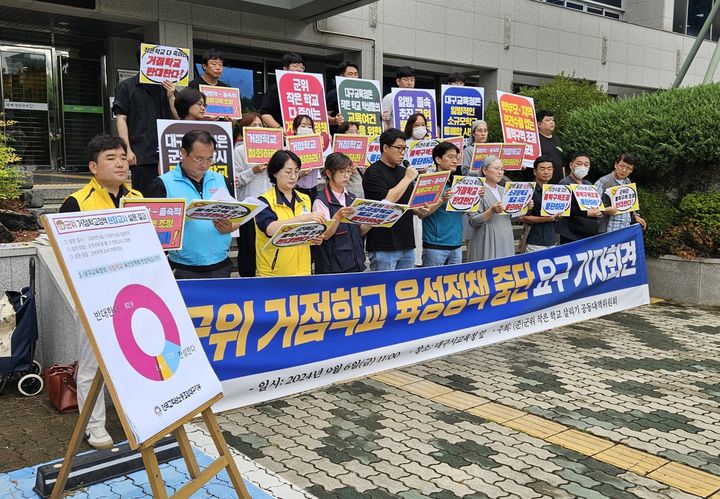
x: 438, y: 257
x: 392, y: 260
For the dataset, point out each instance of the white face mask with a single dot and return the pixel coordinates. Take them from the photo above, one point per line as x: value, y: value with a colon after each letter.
x: 419, y: 132
x: 304, y: 130
x: 581, y: 171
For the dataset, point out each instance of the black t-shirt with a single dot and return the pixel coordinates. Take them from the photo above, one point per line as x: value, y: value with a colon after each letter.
x: 551, y: 147
x: 200, y: 81
x: 271, y: 104
x: 377, y: 181
x: 542, y: 234
x: 143, y: 105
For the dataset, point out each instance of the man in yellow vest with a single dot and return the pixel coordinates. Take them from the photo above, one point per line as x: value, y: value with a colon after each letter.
x: 108, y: 163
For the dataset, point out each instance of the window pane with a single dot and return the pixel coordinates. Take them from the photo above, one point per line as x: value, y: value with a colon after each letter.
x: 698, y: 11
x: 680, y: 16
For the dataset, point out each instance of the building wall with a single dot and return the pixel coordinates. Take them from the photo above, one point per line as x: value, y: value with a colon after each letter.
x: 651, y: 13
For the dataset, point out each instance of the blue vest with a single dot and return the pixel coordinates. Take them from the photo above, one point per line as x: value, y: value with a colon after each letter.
x: 202, y: 243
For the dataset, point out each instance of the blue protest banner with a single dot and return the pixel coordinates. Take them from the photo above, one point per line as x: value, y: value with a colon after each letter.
x: 271, y: 337
x: 460, y: 107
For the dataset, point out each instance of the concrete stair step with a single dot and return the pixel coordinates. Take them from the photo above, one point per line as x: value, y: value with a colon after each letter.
x: 56, y: 193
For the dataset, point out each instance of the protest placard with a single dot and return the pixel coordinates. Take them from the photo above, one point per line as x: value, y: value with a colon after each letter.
x: 354, y: 147
x: 170, y: 134
x: 409, y: 101
x: 481, y: 152
x: 467, y: 193
x: 419, y: 153
x: 624, y: 198
x: 556, y: 199
x: 512, y: 156
x: 297, y: 234
x: 518, y: 122
x: 213, y: 209
x: 375, y: 213
x: 134, y: 316
x: 373, y: 152
x: 459, y: 142
x: 222, y: 102
x: 587, y: 197
x: 167, y: 215
x: 159, y: 63
x: 359, y: 101
x: 428, y: 188
x: 261, y: 144
x: 460, y: 107
x: 303, y: 93
x: 516, y: 197
x: 309, y: 149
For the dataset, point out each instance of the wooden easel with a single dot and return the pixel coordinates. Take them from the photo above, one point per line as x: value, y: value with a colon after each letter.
x: 157, y: 484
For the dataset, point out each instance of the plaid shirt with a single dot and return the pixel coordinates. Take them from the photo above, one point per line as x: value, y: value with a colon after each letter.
x: 622, y: 220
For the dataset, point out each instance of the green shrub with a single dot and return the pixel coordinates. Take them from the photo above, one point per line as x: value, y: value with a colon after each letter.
x: 10, y: 179
x: 661, y: 216
x: 561, y: 96
x: 670, y: 132
x: 703, y: 209
x: 694, y: 233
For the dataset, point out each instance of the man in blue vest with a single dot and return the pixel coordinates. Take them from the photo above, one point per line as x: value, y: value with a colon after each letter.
x: 205, y: 243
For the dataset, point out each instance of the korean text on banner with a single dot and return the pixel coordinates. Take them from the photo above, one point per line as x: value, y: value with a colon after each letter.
x: 354, y: 147
x: 467, y: 193
x: 516, y: 197
x: 409, y: 101
x: 291, y: 334
x: 222, y: 102
x: 359, y: 101
x: 481, y: 152
x: 159, y: 63
x: 460, y: 107
x: 373, y: 152
x: 375, y: 213
x: 170, y: 134
x: 624, y: 197
x: 587, y: 197
x: 134, y: 316
x: 303, y: 93
x: 167, y: 215
x: 297, y: 234
x: 261, y: 144
x: 419, y: 153
x: 556, y: 200
x: 309, y: 149
x: 428, y: 188
x: 210, y: 209
x: 519, y: 124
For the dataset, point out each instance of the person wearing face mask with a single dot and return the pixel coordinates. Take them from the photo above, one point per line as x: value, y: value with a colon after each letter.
x: 343, y: 249
x: 478, y: 135
x: 612, y: 220
x: 579, y: 224
x: 416, y: 127
x: 492, y: 235
x: 308, y: 181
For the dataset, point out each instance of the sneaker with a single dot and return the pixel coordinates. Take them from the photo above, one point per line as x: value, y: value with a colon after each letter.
x: 99, y: 438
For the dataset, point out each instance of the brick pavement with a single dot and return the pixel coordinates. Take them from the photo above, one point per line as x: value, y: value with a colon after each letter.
x: 519, y: 419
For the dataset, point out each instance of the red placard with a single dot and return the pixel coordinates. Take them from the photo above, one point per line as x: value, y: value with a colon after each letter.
x: 517, y: 118
x: 512, y: 156
x: 309, y: 149
x: 261, y: 144
x: 482, y: 151
x: 428, y: 188
x: 167, y: 215
x: 222, y: 101
x: 303, y: 93
x: 354, y: 147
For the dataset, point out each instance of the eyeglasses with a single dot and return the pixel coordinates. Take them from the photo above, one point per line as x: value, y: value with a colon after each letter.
x: 400, y: 149
x: 627, y: 168
x: 453, y: 157
x: 201, y: 104
x: 202, y: 161
x: 497, y: 169
x: 347, y: 172
x: 290, y: 173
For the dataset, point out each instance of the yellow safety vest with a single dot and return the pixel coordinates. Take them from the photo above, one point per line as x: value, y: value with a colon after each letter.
x: 95, y: 197
x: 289, y: 261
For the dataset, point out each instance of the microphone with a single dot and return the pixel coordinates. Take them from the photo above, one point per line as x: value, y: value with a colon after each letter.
x: 406, y: 163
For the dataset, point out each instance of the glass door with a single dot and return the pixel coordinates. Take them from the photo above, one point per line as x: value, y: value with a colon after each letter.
x: 29, y: 97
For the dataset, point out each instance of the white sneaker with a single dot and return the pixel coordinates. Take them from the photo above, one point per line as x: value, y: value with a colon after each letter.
x: 99, y: 438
